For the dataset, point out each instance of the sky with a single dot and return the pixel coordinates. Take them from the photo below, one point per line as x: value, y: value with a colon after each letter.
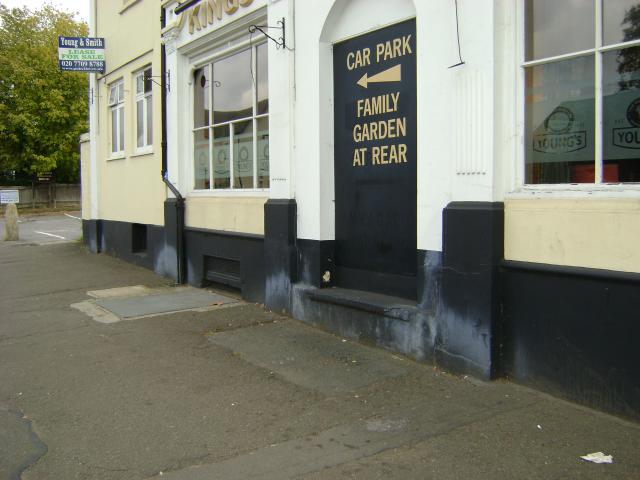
x: 80, y: 6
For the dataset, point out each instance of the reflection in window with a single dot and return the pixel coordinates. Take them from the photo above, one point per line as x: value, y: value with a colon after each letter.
x: 263, y: 152
x: 243, y: 154
x: 567, y: 75
x: 621, y: 110
x: 547, y: 24
x: 559, y: 122
x: 620, y: 21
x: 233, y: 87
x: 201, y: 102
x: 221, y: 156
x: 201, y: 163
x: 237, y: 94
x: 262, y: 79
x: 144, y: 112
x: 116, y: 111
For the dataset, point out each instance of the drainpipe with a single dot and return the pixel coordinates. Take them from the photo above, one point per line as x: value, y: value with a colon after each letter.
x: 180, y: 205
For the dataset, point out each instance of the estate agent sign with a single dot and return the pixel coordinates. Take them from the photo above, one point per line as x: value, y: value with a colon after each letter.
x: 80, y: 54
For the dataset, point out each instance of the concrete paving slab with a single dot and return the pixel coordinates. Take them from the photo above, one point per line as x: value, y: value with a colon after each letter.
x: 310, y: 358
x: 173, y: 300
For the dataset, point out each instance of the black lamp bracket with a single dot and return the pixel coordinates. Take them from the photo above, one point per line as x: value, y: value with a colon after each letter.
x: 280, y: 42
x: 153, y: 77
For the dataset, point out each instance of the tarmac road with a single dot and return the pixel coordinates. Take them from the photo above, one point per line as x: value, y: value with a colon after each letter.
x: 43, y: 229
x: 237, y: 392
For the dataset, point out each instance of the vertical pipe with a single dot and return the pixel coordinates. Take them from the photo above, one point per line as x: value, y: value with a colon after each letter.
x: 180, y: 253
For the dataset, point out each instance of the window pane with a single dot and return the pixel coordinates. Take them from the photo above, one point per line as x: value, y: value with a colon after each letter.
x: 243, y: 154
x: 201, y: 89
x: 114, y: 131
x: 262, y: 80
x: 620, y: 21
x: 221, y: 174
x: 147, y: 80
x: 263, y: 152
x: 140, y: 123
x: 121, y: 126
x: 559, y: 117
x: 556, y: 27
x: 139, y: 84
x: 233, y: 87
x: 113, y: 93
x: 149, y: 120
x: 201, y: 164
x: 120, y: 92
x: 621, y: 109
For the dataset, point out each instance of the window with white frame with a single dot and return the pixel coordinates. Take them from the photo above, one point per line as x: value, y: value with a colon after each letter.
x: 144, y: 112
x: 231, y: 122
x: 582, y: 91
x: 116, y: 112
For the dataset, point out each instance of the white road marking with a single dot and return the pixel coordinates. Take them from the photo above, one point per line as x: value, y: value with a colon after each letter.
x: 71, y: 216
x: 51, y: 235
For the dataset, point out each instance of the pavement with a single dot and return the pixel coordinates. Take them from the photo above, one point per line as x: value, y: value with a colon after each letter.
x: 227, y: 390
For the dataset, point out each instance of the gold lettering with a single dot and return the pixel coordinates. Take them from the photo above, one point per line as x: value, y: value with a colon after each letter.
x: 379, y: 51
x: 194, y: 19
x: 401, y: 125
x: 394, y: 98
x: 375, y: 155
x: 397, y: 47
x: 406, y: 48
x: 214, y: 9
x: 357, y: 133
x: 380, y: 130
x: 350, y: 64
x: 359, y: 157
x: 387, y: 154
x: 230, y: 6
x: 361, y: 58
x: 402, y: 148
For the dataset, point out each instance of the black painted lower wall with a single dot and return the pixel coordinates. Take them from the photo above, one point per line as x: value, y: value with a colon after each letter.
x: 234, y: 259
x: 573, y: 332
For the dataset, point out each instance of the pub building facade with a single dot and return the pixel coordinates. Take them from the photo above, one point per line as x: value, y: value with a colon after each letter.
x: 453, y: 181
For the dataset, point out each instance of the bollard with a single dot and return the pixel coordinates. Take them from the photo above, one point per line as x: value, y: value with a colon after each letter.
x: 11, y: 222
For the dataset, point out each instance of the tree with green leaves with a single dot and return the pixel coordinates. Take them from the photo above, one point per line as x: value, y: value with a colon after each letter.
x: 43, y: 110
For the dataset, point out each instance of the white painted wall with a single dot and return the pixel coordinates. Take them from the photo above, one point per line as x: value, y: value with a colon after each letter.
x: 455, y: 106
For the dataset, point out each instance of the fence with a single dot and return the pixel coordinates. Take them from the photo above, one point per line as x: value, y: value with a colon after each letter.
x: 52, y: 195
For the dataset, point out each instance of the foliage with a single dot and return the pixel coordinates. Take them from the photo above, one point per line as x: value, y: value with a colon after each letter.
x: 43, y: 110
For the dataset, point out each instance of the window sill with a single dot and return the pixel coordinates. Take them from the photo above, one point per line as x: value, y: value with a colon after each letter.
x: 618, y: 190
x: 126, y: 6
x: 248, y: 192
x: 117, y: 156
x: 142, y: 153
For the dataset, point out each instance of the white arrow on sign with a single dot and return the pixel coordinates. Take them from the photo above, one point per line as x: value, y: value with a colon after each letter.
x: 393, y: 74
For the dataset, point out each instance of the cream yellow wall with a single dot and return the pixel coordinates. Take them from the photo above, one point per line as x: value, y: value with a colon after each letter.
x: 233, y: 214
x: 85, y: 174
x: 592, y: 233
x: 130, y: 189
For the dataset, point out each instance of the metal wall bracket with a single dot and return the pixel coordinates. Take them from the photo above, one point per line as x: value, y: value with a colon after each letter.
x: 280, y: 42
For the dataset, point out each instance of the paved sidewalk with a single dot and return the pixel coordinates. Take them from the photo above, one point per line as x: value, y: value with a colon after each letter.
x: 234, y: 392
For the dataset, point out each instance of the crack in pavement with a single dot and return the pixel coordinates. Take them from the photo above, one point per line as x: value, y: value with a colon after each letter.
x: 20, y: 445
